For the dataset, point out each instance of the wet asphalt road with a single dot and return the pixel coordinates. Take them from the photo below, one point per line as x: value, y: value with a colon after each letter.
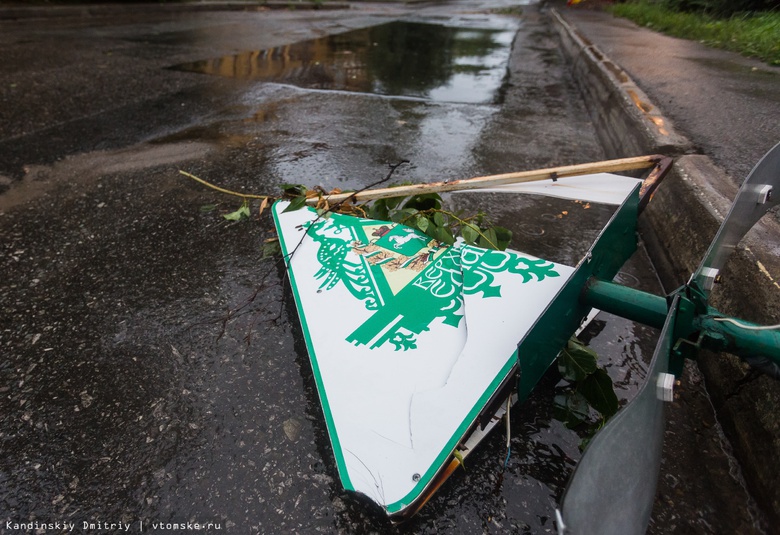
x: 126, y: 396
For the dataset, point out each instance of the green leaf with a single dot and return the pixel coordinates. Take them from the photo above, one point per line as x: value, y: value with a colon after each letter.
x: 294, y: 190
x: 459, y: 456
x: 426, y: 201
x: 239, y: 214
x: 597, y: 389
x: 444, y: 235
x: 576, y: 362
x: 393, y: 202
x: 403, y: 216
x: 422, y: 223
x: 296, y: 204
x: 575, y: 346
x: 272, y: 248
x: 571, y: 409
x: 438, y: 219
x: 488, y: 239
x: 379, y: 210
x: 504, y: 237
x: 584, y: 443
x: 469, y: 233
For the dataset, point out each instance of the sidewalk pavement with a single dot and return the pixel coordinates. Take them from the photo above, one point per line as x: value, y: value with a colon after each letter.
x: 727, y: 105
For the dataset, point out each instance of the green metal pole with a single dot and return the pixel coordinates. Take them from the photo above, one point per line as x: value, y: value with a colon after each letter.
x: 625, y: 302
x: 758, y: 345
x: 739, y: 337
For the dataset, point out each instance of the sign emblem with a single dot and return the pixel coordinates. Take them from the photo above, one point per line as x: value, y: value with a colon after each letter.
x: 408, y: 278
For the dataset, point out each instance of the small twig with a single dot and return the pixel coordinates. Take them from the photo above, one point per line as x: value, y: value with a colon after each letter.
x: 223, y: 190
x: 236, y: 312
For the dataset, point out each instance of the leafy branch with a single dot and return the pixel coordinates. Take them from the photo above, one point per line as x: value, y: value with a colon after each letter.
x: 423, y: 212
x: 590, y: 386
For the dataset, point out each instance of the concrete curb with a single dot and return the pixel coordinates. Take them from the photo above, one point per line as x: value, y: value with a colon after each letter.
x: 618, y: 106
x: 12, y: 12
x: 677, y: 226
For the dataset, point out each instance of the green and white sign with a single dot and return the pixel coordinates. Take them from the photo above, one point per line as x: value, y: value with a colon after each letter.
x: 408, y: 339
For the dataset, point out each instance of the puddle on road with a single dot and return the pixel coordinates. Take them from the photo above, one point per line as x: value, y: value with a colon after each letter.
x: 406, y: 59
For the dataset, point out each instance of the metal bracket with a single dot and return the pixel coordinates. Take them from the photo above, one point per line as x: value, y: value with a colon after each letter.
x: 753, y: 200
x: 665, y: 387
x: 764, y: 194
x: 709, y: 276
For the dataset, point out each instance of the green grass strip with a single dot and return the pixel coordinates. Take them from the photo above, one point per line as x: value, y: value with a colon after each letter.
x: 753, y: 34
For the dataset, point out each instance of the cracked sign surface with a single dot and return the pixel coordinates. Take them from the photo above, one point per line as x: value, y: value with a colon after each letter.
x: 408, y: 339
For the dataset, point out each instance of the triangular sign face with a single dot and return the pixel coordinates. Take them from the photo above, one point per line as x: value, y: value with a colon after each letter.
x: 408, y: 338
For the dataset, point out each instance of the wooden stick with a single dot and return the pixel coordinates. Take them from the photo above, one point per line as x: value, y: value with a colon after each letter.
x: 606, y: 166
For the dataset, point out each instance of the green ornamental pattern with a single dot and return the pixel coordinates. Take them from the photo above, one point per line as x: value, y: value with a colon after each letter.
x: 436, y: 292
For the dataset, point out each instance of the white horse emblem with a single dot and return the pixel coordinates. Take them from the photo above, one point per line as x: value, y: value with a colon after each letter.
x: 399, y: 241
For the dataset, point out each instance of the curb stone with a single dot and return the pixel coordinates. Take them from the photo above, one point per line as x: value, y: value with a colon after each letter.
x: 677, y: 227
x: 622, y: 113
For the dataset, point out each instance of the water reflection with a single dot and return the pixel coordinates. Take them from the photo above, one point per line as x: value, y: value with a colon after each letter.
x: 407, y: 59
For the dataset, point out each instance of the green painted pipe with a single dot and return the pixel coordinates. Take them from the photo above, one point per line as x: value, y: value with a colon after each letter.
x: 757, y: 345
x: 625, y: 302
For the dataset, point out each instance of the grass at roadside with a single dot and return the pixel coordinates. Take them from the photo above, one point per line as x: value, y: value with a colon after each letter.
x: 756, y: 35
